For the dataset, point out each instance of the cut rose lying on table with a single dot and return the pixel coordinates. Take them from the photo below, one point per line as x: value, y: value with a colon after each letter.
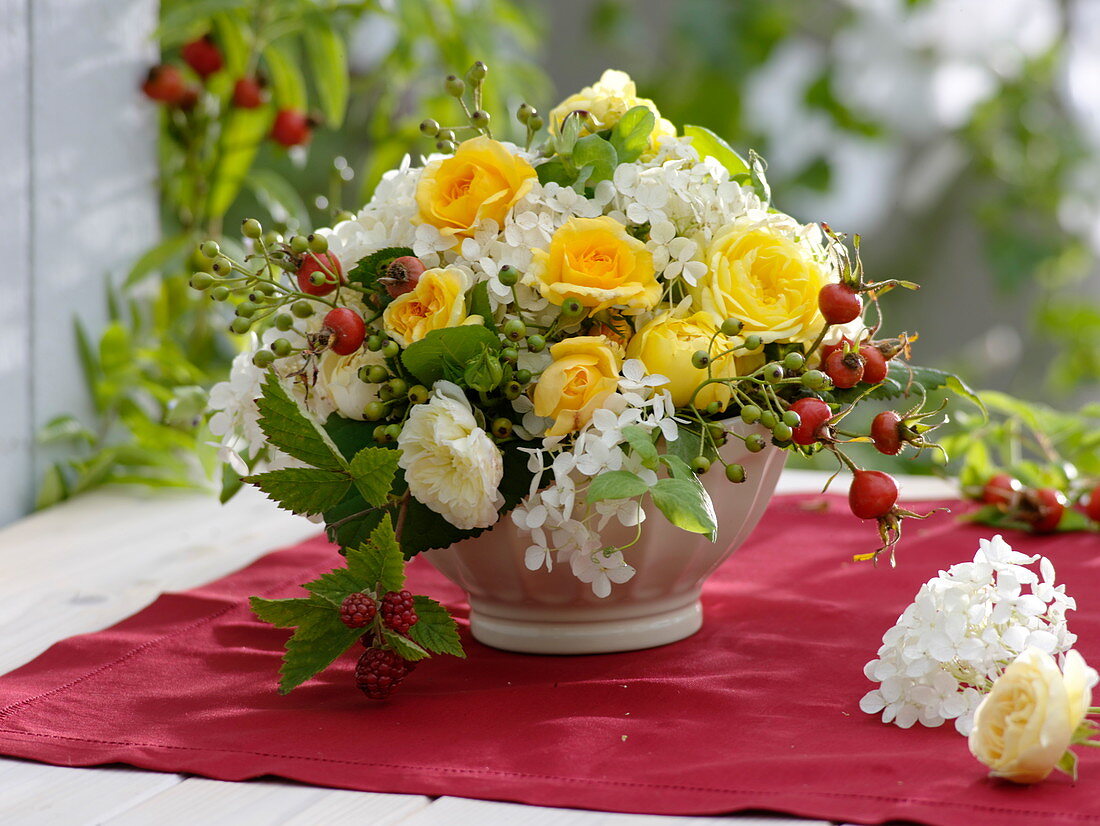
x: 550, y: 333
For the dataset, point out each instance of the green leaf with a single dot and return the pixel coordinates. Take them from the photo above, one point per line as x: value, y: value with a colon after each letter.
x: 288, y: 87
x: 686, y: 506
x: 303, y: 490
x: 678, y: 468
x: 284, y: 613
x: 630, y: 137
x: 372, y: 470
x: 435, y: 628
x: 706, y: 143
x: 350, y: 436
x: 1067, y: 763
x: 554, y: 172
x: 319, y: 640
x: 641, y: 442
x: 408, y: 649
x: 479, y: 305
x: 65, y: 428
x: 232, y: 482
x: 329, y: 61
x: 378, y: 562
x: 690, y: 444
x: 53, y: 488
x: 233, y: 37
x: 371, y: 268
x: 594, y: 151
x: 163, y: 258
x: 245, y: 130
x: 292, y: 431
x: 178, y: 23
x: 429, y: 358
x: 334, y: 586
x: 615, y: 484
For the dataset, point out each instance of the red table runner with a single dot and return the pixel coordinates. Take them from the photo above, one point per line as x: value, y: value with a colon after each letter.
x: 759, y: 710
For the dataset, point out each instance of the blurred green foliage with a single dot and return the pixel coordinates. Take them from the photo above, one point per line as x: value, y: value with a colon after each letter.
x: 166, y: 344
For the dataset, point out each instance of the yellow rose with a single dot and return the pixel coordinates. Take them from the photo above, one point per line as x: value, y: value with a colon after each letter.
x: 765, y: 279
x: 480, y: 182
x: 584, y: 372
x: 665, y: 346
x: 1025, y: 724
x: 596, y: 261
x: 607, y: 101
x: 438, y: 300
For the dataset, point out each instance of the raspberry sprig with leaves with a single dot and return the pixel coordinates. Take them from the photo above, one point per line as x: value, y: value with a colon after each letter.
x: 375, y: 572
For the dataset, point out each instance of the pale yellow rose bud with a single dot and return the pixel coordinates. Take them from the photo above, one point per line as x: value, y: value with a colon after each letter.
x: 665, y: 346
x: 438, y: 300
x: 1027, y: 721
x: 584, y: 372
x: 606, y: 101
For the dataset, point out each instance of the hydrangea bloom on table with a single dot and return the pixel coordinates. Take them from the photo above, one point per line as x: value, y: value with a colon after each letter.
x: 553, y: 332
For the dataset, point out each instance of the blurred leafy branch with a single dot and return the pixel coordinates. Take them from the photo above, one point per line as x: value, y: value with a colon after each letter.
x: 226, y: 152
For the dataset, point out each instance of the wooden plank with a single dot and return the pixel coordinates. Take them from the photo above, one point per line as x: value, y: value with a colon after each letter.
x: 267, y: 803
x: 38, y: 795
x: 93, y: 181
x: 448, y: 811
x: 16, y: 426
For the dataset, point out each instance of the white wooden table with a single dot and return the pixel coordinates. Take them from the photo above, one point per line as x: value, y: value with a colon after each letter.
x: 92, y: 561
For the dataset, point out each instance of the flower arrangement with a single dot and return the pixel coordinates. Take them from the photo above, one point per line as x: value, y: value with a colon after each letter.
x: 553, y: 333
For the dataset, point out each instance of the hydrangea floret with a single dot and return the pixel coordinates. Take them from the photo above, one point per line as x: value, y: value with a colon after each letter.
x: 965, y: 627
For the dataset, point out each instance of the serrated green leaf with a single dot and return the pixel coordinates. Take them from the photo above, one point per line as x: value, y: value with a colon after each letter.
x: 408, y: 649
x: 292, y: 431
x: 285, y: 613
x: 707, y: 143
x: 593, y: 151
x: 615, y: 484
x: 686, y: 506
x: 435, y: 628
x: 378, y: 564
x: 329, y: 62
x: 641, y: 443
x: 303, y: 490
x: 333, y: 586
x: 429, y: 358
x: 630, y: 137
x: 319, y: 640
x: 372, y: 470
x: 370, y: 269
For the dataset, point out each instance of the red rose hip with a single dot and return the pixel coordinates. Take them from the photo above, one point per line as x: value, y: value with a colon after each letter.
x: 839, y: 303
x: 872, y: 494
x: 844, y: 369
x: 248, y: 93
x: 1000, y: 490
x: 886, y: 433
x: 1092, y: 509
x: 346, y: 329
x: 203, y: 56
x: 165, y: 84
x: 875, y: 366
x: 327, y: 264
x: 1046, y: 508
x: 812, y: 414
x: 291, y: 128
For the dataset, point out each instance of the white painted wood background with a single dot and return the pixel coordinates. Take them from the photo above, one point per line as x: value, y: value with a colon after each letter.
x: 94, y: 560
x: 77, y: 202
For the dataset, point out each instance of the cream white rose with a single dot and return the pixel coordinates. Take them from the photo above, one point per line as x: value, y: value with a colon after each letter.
x: 450, y: 463
x: 338, y: 380
x: 1027, y: 721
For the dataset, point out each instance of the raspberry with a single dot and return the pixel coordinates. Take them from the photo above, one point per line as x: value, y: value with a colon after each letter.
x: 380, y: 671
x: 357, y: 610
x: 397, y: 611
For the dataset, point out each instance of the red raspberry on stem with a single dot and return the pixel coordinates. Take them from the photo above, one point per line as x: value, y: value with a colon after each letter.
x: 872, y: 494
x: 248, y: 93
x: 844, y: 369
x: 346, y: 330
x: 1000, y: 490
x: 813, y: 414
x: 291, y: 128
x: 358, y: 610
x: 379, y: 671
x: 165, y: 84
x: 398, y: 612
x: 203, y: 56
x: 875, y: 366
x: 839, y: 303
x: 327, y: 264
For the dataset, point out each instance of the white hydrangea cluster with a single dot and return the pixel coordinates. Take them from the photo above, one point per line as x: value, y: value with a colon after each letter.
x: 563, y: 527
x: 965, y: 627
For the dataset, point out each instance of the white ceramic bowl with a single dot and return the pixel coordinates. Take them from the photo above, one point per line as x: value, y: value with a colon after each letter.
x: 540, y: 612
